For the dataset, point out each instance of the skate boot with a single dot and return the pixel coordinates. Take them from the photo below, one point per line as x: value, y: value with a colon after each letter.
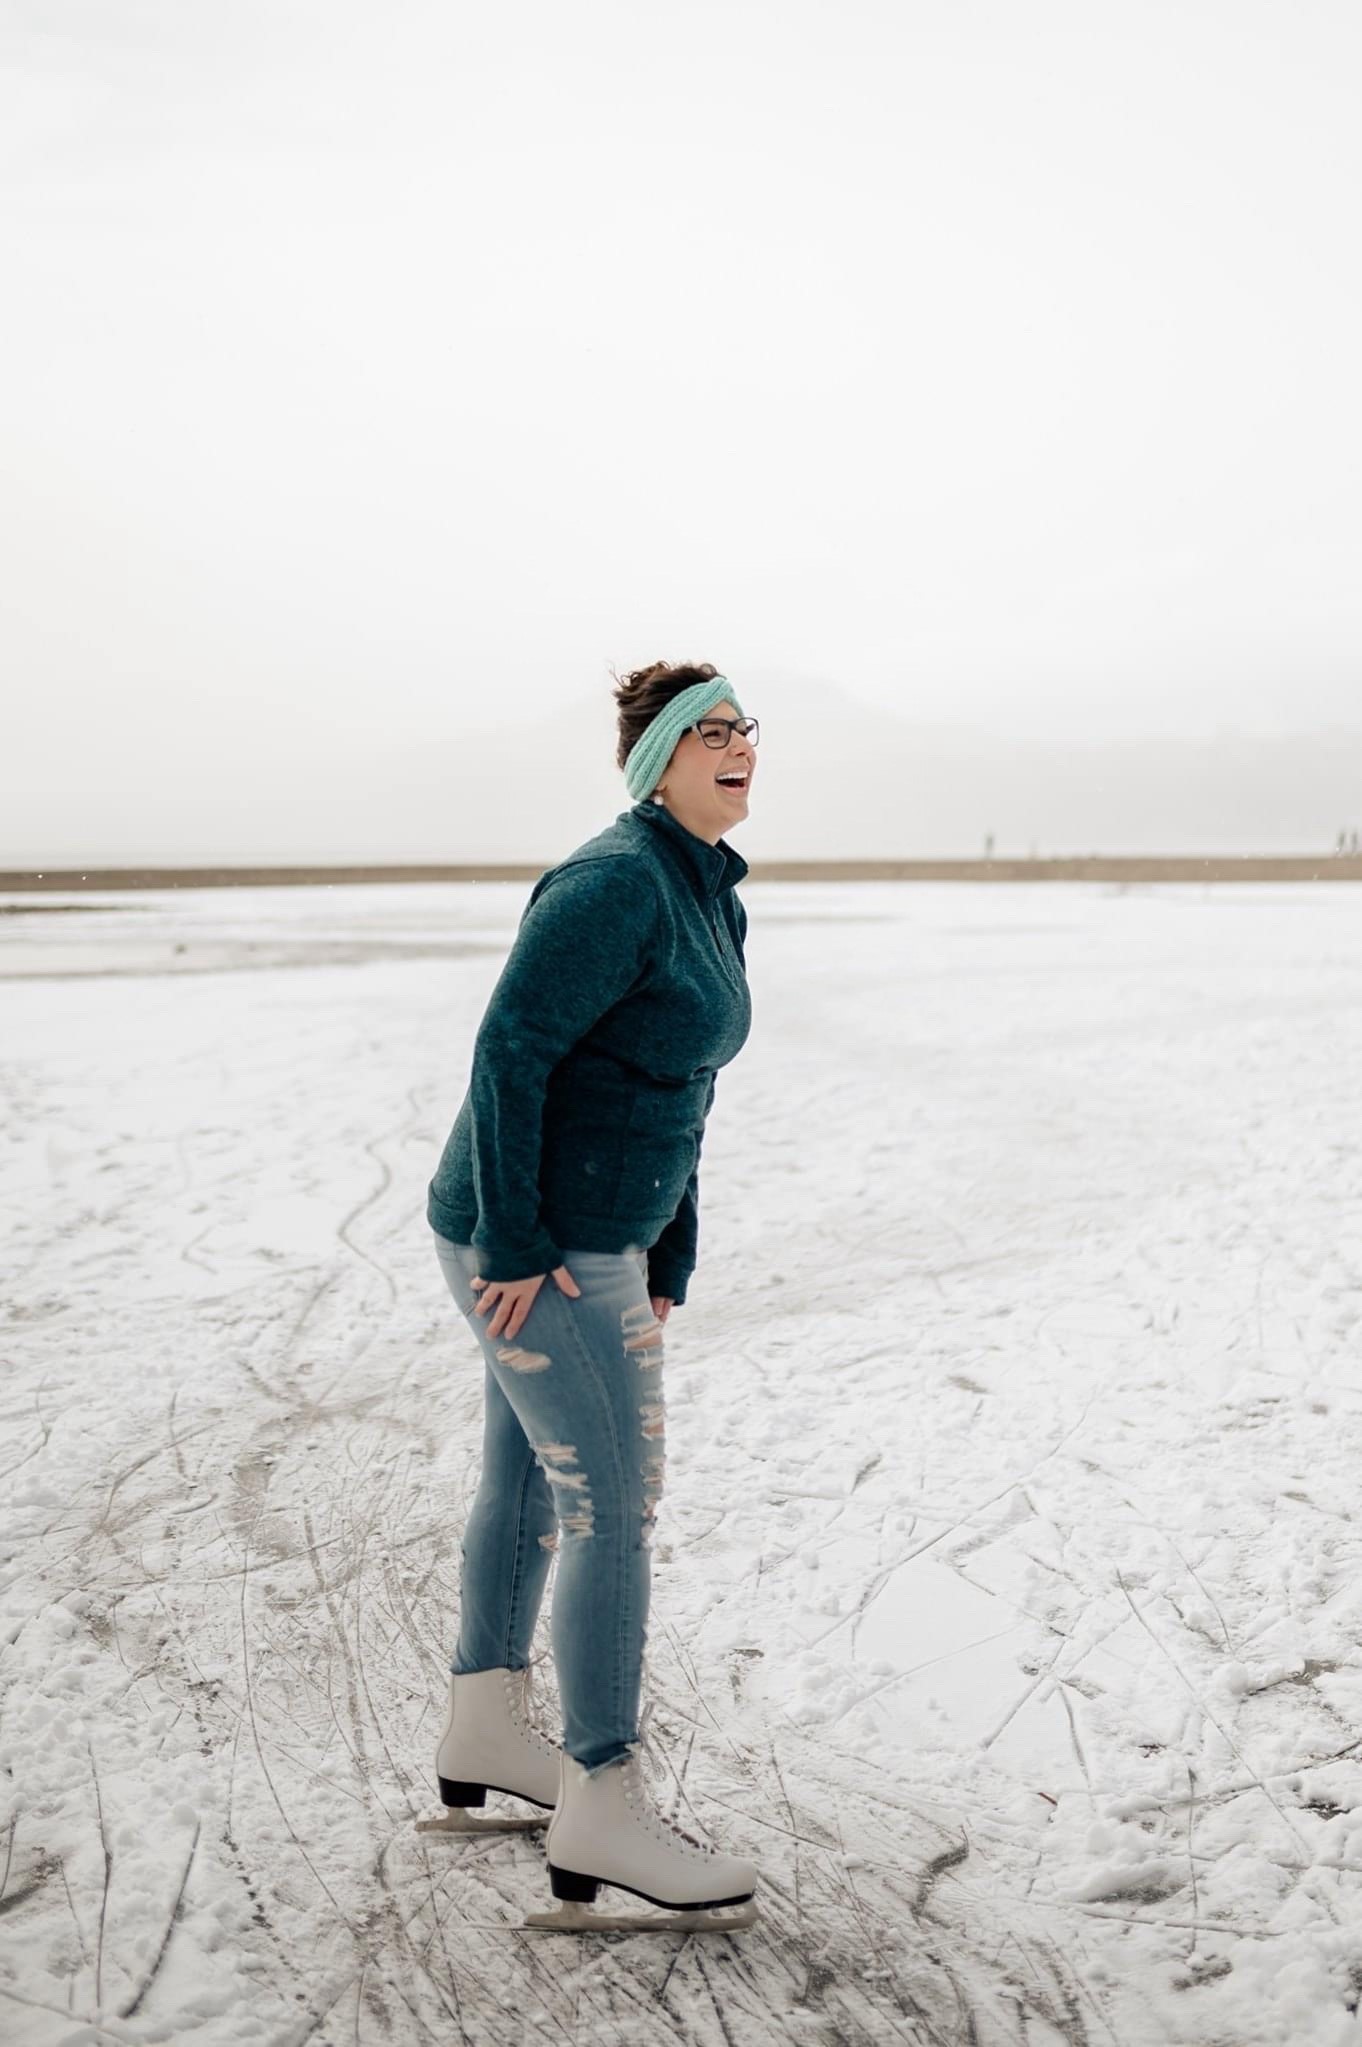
x: 489, y: 1744
x: 606, y: 1830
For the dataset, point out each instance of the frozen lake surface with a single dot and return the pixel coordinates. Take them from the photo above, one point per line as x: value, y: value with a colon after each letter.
x: 1006, y: 1602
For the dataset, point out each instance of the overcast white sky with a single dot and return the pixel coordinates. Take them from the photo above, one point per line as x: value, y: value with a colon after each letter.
x: 368, y: 367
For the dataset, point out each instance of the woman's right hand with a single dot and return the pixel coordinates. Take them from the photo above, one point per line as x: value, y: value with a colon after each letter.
x: 515, y: 1297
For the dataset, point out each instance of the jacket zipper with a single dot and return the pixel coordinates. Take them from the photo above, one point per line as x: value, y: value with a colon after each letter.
x: 731, y: 966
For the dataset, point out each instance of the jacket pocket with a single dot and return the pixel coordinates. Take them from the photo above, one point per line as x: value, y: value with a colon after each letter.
x: 661, y: 1143
x: 581, y: 1166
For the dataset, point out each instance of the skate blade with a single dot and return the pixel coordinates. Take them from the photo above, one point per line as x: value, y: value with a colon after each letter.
x: 458, y: 1820
x: 574, y: 1918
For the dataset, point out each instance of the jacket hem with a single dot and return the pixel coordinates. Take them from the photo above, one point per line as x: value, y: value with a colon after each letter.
x: 449, y: 1222
x: 581, y: 1232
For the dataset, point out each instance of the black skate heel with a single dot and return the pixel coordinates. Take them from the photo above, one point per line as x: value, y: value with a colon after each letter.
x: 453, y: 1792
x: 572, y: 1885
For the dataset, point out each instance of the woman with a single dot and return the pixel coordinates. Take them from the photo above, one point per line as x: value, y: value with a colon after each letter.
x: 565, y: 1212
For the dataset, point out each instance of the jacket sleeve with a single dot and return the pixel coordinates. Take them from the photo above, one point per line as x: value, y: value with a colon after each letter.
x: 582, y: 942
x: 671, y: 1261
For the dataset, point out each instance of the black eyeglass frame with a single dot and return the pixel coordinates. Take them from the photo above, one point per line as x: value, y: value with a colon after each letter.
x: 751, y: 729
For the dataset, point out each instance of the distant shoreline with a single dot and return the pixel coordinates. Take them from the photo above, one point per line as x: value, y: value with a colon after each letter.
x: 1133, y: 867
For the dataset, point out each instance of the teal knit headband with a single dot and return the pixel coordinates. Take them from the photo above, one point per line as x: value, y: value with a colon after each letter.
x: 650, y: 753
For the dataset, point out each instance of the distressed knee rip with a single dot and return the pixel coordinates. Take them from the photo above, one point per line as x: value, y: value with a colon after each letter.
x: 577, y: 1517
x: 642, y: 1334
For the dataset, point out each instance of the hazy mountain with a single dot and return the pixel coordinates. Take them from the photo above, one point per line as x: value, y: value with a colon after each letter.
x: 836, y: 778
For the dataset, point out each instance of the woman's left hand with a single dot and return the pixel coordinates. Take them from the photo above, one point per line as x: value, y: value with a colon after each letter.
x: 662, y: 1305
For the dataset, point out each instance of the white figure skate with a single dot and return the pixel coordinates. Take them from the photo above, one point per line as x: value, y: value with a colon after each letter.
x: 489, y: 1744
x: 606, y: 1830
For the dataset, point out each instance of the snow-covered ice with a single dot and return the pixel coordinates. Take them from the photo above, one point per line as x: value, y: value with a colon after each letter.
x: 1006, y: 1602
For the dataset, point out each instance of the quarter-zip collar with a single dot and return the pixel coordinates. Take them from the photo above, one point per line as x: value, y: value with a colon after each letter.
x: 710, y: 869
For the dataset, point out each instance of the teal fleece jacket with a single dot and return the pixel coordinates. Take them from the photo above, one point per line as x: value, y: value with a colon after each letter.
x: 594, y: 1065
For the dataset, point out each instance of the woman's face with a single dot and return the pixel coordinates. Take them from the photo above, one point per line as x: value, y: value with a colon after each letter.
x: 690, y: 781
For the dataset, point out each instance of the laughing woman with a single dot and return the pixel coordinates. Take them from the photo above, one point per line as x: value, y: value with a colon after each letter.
x: 565, y: 1213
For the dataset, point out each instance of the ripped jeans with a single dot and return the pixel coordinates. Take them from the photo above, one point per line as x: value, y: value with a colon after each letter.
x: 573, y: 1453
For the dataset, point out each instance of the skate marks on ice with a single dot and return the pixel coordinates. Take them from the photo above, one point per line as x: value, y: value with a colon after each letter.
x: 228, y: 1655
x: 236, y: 1835
x: 865, y: 1932
x: 217, y: 1849
x: 241, y: 1445
x: 1088, y: 1662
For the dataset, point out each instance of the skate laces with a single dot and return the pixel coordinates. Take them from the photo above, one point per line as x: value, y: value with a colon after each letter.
x: 525, y: 1701
x: 657, y: 1822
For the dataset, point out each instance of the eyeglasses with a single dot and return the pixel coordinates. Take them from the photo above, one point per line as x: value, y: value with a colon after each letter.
x: 717, y: 732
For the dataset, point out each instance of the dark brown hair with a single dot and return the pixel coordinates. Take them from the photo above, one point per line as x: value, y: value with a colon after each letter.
x: 641, y: 694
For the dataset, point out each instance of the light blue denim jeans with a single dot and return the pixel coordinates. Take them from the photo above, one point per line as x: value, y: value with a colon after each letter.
x: 574, y: 1444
